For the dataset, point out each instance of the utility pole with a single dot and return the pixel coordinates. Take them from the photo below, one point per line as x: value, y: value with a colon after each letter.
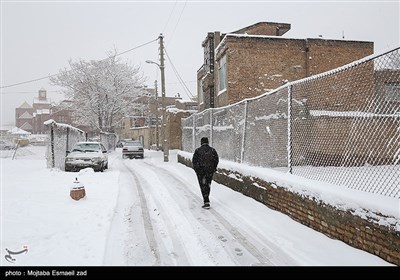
x: 157, y: 133
x: 164, y: 119
x: 149, y: 121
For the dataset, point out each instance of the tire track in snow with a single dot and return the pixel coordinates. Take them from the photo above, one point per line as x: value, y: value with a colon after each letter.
x: 148, y: 227
x: 239, y: 237
x: 178, y: 253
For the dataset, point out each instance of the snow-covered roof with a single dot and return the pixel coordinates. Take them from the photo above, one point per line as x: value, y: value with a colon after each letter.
x: 43, y: 111
x: 277, y: 38
x: 26, y: 115
x: 18, y: 131
x: 282, y: 27
x: 186, y: 101
x: 63, y: 125
x: 41, y: 101
x: 176, y: 110
x: 25, y: 106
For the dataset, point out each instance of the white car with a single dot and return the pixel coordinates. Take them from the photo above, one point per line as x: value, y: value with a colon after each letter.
x: 87, y: 154
x: 132, y: 149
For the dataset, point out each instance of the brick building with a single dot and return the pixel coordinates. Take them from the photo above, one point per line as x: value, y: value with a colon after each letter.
x: 148, y: 109
x: 256, y: 59
x: 31, y: 118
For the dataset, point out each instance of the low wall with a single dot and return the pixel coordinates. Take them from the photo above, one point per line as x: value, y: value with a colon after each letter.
x: 367, y: 235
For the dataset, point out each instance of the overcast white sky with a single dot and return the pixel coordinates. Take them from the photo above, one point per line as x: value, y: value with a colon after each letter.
x: 38, y: 37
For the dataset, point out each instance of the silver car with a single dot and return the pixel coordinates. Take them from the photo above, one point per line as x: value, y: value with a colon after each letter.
x: 87, y: 154
x: 132, y: 149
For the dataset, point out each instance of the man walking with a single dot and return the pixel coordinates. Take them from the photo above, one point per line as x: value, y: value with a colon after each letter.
x: 205, y: 161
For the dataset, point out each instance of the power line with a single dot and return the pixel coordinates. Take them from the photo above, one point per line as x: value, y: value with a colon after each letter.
x: 170, y: 14
x: 179, y: 19
x: 185, y: 88
x: 54, y: 75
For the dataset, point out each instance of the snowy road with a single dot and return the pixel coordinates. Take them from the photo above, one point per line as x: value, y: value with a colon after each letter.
x: 159, y: 221
x: 148, y: 213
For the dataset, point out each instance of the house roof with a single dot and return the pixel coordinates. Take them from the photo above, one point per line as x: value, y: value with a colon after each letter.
x: 26, y: 115
x: 20, y: 131
x: 41, y: 101
x: 257, y: 28
x: 25, y: 105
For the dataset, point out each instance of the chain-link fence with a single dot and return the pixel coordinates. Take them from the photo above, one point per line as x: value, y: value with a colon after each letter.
x: 343, y: 127
x: 63, y: 137
x: 109, y: 140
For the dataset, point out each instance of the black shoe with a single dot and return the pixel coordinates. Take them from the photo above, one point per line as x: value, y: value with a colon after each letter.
x: 206, y: 205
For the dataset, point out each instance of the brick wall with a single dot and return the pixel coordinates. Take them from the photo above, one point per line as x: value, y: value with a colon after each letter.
x: 175, y: 129
x: 324, y: 55
x: 256, y: 65
x: 367, y: 235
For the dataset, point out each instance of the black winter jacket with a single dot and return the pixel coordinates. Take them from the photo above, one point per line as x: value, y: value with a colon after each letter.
x: 205, y: 160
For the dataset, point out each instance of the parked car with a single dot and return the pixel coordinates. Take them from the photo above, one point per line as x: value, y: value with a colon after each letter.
x: 121, y: 142
x: 87, y: 154
x: 132, y: 149
x: 5, y: 145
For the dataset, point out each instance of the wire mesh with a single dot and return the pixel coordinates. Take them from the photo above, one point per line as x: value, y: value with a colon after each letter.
x: 202, y: 127
x: 227, y: 131
x: 64, y: 139
x: 344, y: 127
x: 350, y: 134
x: 109, y: 140
x: 187, y: 134
x: 266, y: 130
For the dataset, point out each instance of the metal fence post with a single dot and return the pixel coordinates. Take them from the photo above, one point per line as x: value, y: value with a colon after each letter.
x: 244, y: 132
x: 66, y: 146
x: 194, y: 133
x: 289, y: 147
x: 53, y: 164
x: 211, y: 127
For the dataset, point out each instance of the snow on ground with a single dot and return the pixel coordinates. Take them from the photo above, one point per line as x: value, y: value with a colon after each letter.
x: 360, y: 202
x: 37, y: 211
x: 148, y: 212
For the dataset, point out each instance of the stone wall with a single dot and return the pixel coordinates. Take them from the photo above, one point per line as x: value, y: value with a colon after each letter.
x: 365, y: 234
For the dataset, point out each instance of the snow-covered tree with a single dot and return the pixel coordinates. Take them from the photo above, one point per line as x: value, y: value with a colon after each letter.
x: 102, y: 92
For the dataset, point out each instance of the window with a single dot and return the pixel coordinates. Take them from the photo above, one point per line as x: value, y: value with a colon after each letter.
x: 222, y: 73
x: 62, y: 119
x: 392, y: 92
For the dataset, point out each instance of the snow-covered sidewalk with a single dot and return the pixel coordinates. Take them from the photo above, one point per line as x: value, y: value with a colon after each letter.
x: 147, y: 212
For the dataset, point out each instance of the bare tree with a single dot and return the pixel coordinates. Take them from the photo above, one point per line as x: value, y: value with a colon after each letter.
x: 102, y: 92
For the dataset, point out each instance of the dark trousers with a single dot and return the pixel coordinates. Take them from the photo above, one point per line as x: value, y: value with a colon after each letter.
x: 205, y: 183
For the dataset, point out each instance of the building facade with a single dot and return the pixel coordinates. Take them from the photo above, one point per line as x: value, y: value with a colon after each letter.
x: 256, y: 59
x: 31, y: 118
